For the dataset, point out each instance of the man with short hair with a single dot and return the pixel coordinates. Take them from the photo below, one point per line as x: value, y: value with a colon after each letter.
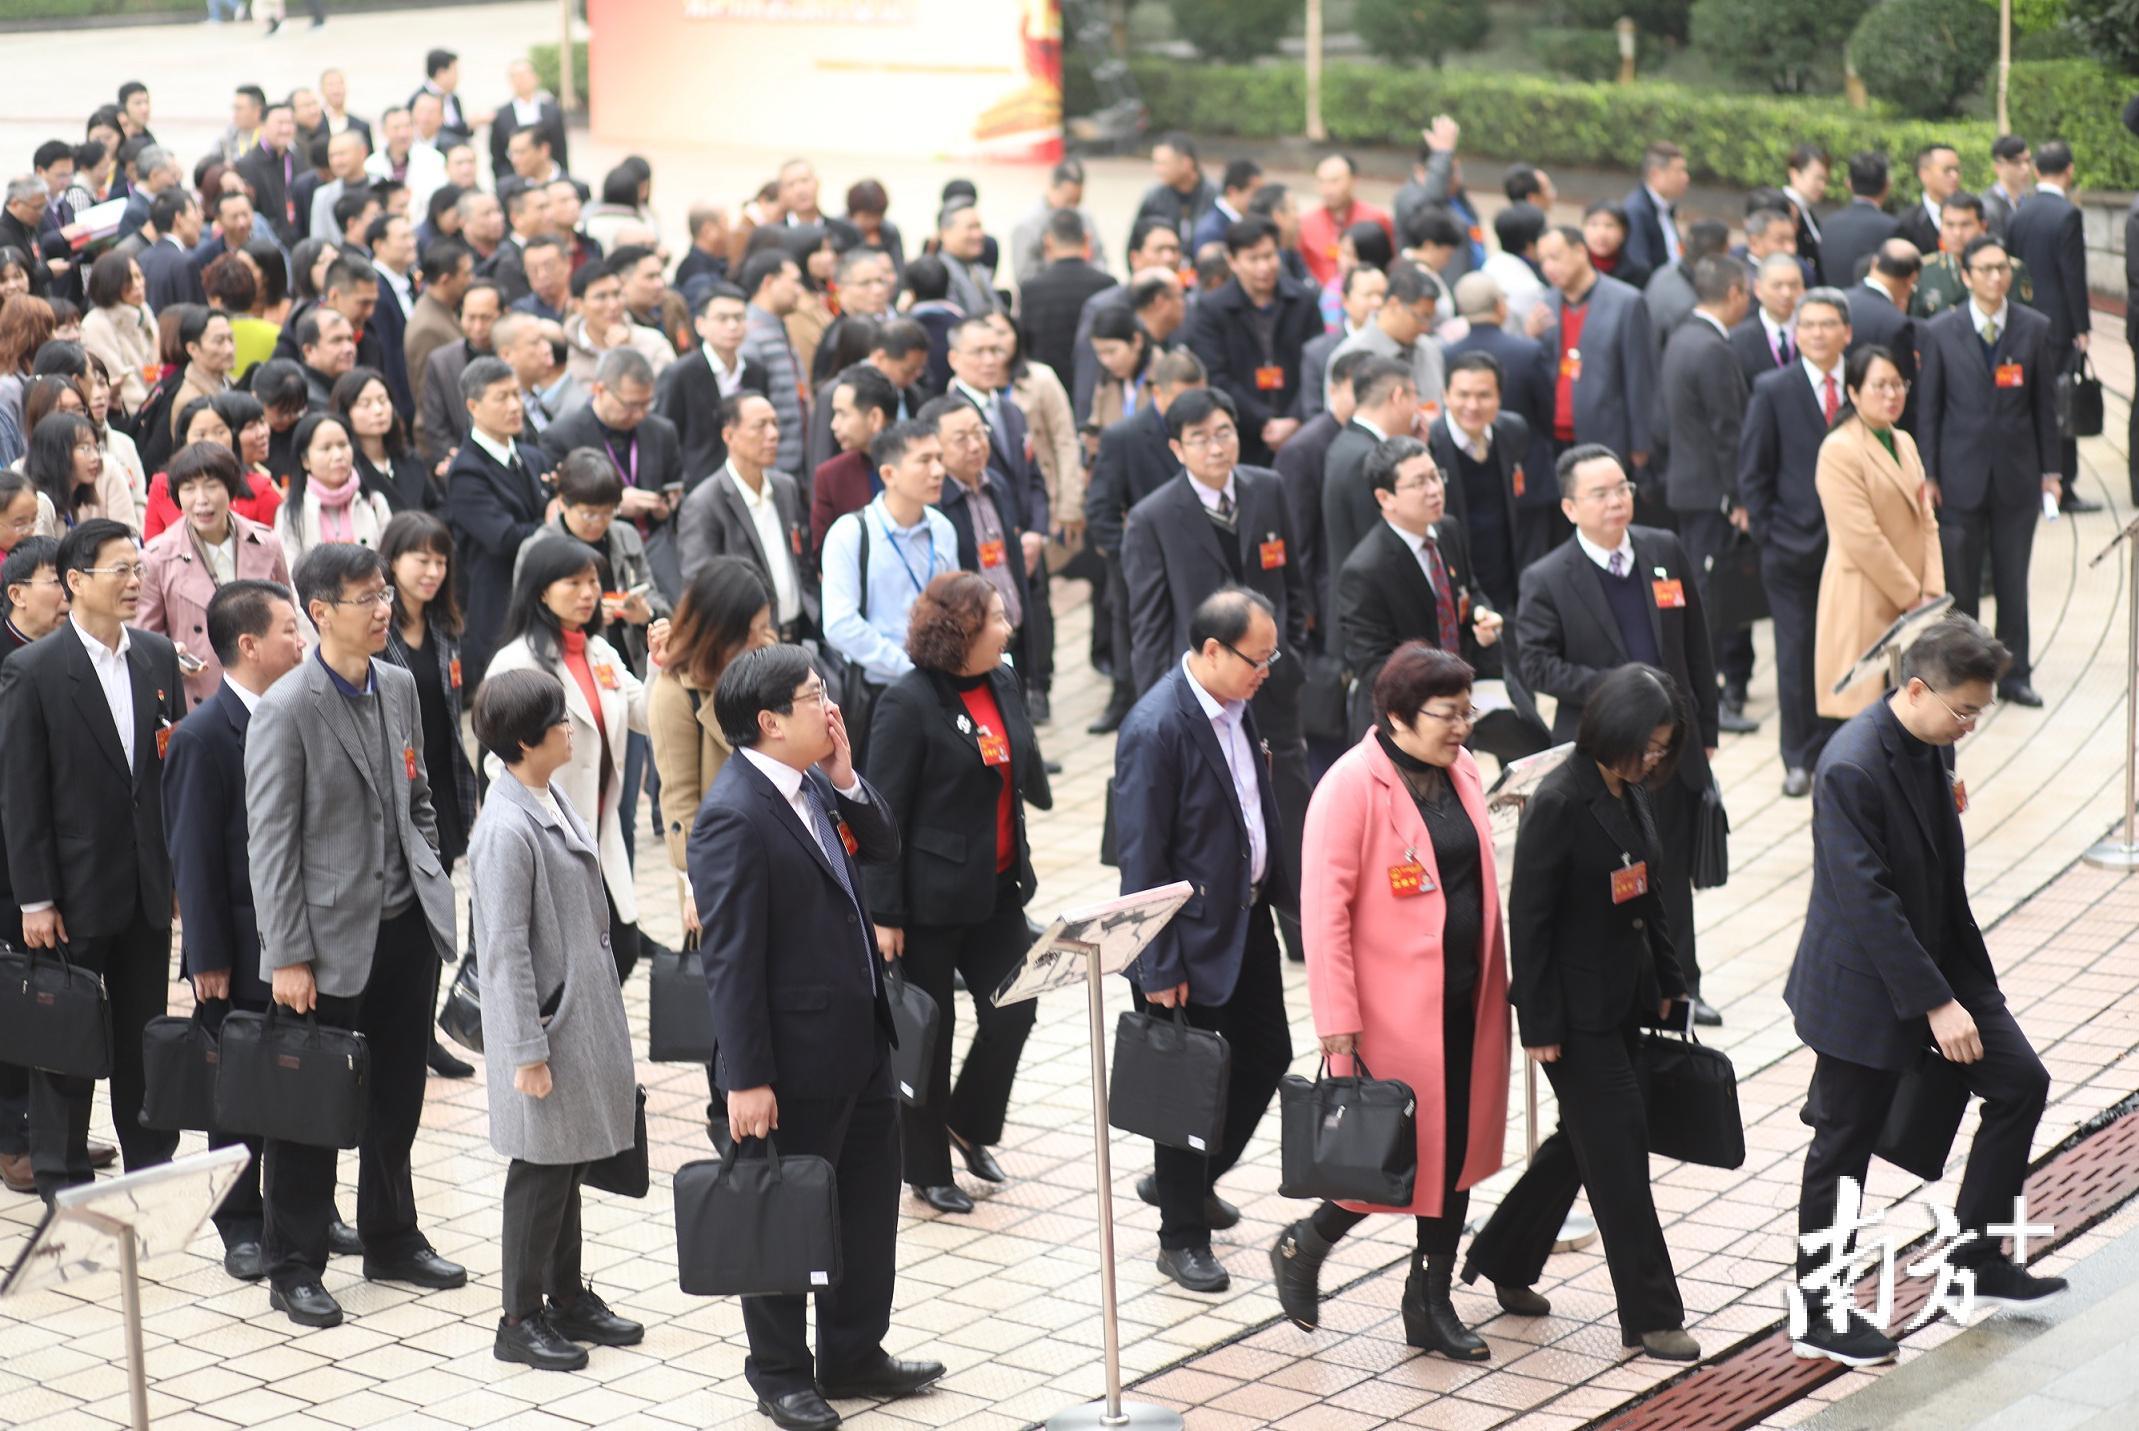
x: 2015, y: 168
x: 482, y: 228
x: 271, y: 167
x: 407, y: 158
x: 1763, y: 342
x: 901, y: 352
x: 441, y: 80
x: 334, y: 105
x: 1526, y: 391
x: 867, y: 280
x: 1653, y: 234
x: 547, y: 263
x: 961, y: 243
x: 1804, y: 185
x: 1938, y: 175
x: 1436, y: 186
x: 874, y: 562
x: 1482, y: 452
x: 1336, y: 180
x: 1852, y: 234
x: 1300, y: 466
x: 346, y: 154
x: 1360, y: 294
x: 22, y: 222
x: 707, y: 258
x: 527, y: 216
x: 1403, y: 329
x: 1249, y: 334
x: 167, y: 264
x: 772, y: 282
x: 641, y: 446
x: 1154, y: 257
x: 248, y: 113
x: 1236, y: 186
x: 1595, y: 331
x: 1940, y: 286
x: 231, y: 230
x: 87, y: 713
x: 860, y: 403
x: 1670, y: 295
x: 995, y: 535
x: 1385, y: 404
x: 752, y: 510
x: 1180, y: 197
x: 1052, y: 297
x: 1065, y: 190
x: 494, y: 502
x: 1879, y: 312
x: 326, y: 347
x: 531, y: 109
x: 441, y: 416
x: 690, y: 391
x: 600, y: 325
x: 2045, y: 233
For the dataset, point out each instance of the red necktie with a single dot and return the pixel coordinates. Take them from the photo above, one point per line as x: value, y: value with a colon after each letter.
x: 1829, y: 401
x: 1444, y: 599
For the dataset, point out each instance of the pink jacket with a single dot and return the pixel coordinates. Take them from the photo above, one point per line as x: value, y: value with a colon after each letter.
x: 1374, y: 958
x: 177, y: 588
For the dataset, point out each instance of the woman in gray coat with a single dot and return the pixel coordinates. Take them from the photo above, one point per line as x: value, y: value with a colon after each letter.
x: 557, y: 1049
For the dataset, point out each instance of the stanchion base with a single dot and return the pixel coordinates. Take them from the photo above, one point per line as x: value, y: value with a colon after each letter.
x: 2112, y: 854
x: 1094, y: 1414
x: 1577, y: 1232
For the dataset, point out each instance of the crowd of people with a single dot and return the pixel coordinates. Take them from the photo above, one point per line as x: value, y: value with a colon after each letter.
x: 326, y: 453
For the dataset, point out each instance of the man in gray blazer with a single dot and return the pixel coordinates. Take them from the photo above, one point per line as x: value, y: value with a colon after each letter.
x: 750, y: 510
x: 355, y: 913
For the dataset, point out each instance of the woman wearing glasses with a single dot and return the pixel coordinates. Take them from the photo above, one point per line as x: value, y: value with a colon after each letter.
x: 1406, y: 971
x: 1883, y: 554
x: 1591, y: 949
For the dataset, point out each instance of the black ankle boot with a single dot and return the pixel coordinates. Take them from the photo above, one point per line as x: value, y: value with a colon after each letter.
x: 1430, y: 1320
x: 1296, y: 1268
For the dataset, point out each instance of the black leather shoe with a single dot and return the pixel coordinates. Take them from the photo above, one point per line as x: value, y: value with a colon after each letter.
x: 1109, y: 720
x: 1734, y: 696
x: 978, y: 1160
x: 1218, y: 1214
x: 1430, y: 1320
x: 423, y: 1268
x: 307, y: 1304
x: 889, y: 1380
x: 1735, y: 721
x: 2077, y: 503
x: 589, y: 1319
x: 245, y: 1260
x: 947, y: 1197
x: 532, y: 1341
x: 1052, y: 767
x: 2020, y: 693
x: 1797, y: 783
x: 1704, y: 1013
x: 799, y: 1411
x: 1037, y: 707
x: 445, y: 1065
x: 1194, y: 1268
x: 102, y: 1155
x: 343, y: 1240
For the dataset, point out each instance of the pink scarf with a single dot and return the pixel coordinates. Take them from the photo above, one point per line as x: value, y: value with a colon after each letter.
x: 334, y: 503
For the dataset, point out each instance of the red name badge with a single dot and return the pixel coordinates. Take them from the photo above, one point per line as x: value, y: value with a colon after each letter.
x: 605, y: 676
x: 794, y: 540
x: 1269, y: 378
x: 1518, y: 479
x: 1407, y: 880
x: 163, y: 741
x: 846, y: 838
x: 1571, y: 365
x: 1630, y: 882
x: 1273, y: 553
x: 994, y: 749
x: 1670, y: 593
x: 453, y: 672
x: 991, y: 555
x: 2011, y: 375
x: 1960, y: 797
x: 408, y: 759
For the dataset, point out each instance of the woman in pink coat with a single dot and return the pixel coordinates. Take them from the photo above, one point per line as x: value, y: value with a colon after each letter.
x: 188, y: 560
x: 1406, y: 968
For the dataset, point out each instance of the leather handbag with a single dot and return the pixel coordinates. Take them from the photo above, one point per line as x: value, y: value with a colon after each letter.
x: 1734, y: 593
x: 284, y: 1076
x: 1693, y: 1101
x: 679, y: 1025
x: 179, y: 1057
x: 1352, y: 1139
x: 1925, y: 1116
x: 462, y: 1017
x: 2079, y: 399
x: 763, y: 1227
x: 915, y: 1023
x: 1712, y: 840
x: 1325, y: 697
x: 1169, y: 1081
x: 627, y: 1173
x: 53, y: 1016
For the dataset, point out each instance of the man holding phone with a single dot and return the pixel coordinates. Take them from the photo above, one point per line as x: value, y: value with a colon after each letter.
x: 643, y: 448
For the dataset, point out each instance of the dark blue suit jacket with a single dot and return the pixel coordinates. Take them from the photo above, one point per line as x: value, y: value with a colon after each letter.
x: 168, y: 275
x: 1988, y: 446
x: 1645, y: 230
x: 791, y: 968
x: 1615, y: 398
x: 204, y: 825
x: 1888, y: 936
x: 1778, y: 455
x: 2046, y: 234
x: 1176, y: 818
x: 491, y: 512
x: 1526, y: 389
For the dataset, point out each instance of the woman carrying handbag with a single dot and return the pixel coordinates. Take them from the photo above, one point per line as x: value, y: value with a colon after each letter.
x: 1406, y: 969
x: 556, y: 1045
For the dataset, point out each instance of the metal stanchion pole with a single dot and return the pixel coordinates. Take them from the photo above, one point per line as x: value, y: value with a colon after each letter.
x: 137, y: 1371
x: 2115, y: 853
x: 1579, y: 1230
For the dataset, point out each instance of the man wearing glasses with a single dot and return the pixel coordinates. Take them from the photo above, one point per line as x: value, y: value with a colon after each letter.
x: 1194, y: 800
x: 87, y: 712
x: 1987, y: 430
x: 1892, y: 967
x: 355, y: 915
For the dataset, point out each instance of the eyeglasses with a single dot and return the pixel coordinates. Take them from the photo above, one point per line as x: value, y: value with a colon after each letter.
x: 814, y: 693
x: 1606, y: 494
x: 1970, y: 718
x: 1216, y: 437
x: 1989, y: 269
x: 123, y: 570
x: 1651, y: 754
x: 1468, y: 716
x: 1892, y: 388
x: 1420, y: 485
x: 384, y: 596
x: 1275, y: 656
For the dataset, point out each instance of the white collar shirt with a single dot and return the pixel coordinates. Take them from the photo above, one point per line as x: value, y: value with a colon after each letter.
x: 1602, y: 556
x: 248, y: 699
x: 1209, y: 495
x: 1818, y: 379
x: 788, y: 781
x: 765, y: 518
x: 728, y: 380
x: 1229, y: 723
x: 2003, y: 318
x: 502, y: 454
x: 116, y: 679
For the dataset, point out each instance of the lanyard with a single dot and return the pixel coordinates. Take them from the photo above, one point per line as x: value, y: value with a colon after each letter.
x: 631, y: 474
x: 892, y: 541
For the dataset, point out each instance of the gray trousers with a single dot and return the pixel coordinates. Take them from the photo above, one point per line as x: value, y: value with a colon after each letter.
x: 539, y: 1235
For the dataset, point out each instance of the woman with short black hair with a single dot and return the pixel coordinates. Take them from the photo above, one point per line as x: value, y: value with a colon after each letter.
x: 118, y: 327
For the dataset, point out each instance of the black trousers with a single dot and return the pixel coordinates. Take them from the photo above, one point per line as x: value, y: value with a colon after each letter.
x: 2009, y: 534
x: 1256, y: 1031
x: 1707, y: 535
x: 1793, y: 586
x: 2068, y: 460
x: 538, y: 1235
x: 1847, y: 1106
x: 1602, y: 1144
x: 623, y: 940
x: 1036, y: 634
x: 1117, y: 588
x: 1678, y: 814
x: 1291, y: 788
x: 14, y: 1110
x: 297, y: 1180
x: 136, y: 965
x: 985, y: 953
x: 860, y: 1137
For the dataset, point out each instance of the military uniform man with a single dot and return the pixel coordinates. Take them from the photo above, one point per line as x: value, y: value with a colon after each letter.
x: 1940, y: 287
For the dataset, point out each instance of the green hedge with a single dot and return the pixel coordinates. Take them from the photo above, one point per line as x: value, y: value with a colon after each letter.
x: 544, y: 59
x: 1731, y: 139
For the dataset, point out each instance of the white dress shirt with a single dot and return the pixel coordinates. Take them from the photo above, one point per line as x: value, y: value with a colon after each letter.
x: 116, y: 679
x: 1602, y: 556
x: 500, y: 454
x: 1804, y: 209
x: 2003, y: 318
x: 788, y: 781
x: 1668, y: 222
x: 249, y: 699
x: 1778, y: 333
x: 1209, y: 495
x: 728, y: 380
x: 1819, y: 379
x: 1228, y: 724
x: 1417, y: 543
x: 1469, y: 442
x: 765, y: 517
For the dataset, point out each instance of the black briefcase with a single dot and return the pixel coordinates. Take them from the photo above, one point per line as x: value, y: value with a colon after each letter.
x: 1325, y: 698
x: 1350, y: 1139
x: 679, y: 1025
x: 628, y: 1173
x: 1712, y: 840
x: 1734, y: 594
x: 761, y: 1227
x: 53, y: 1016
x: 1693, y: 1101
x: 1169, y: 1081
x: 284, y: 1076
x: 1925, y: 1117
x: 178, y: 1066
x: 462, y: 1017
x: 916, y: 1020
x: 2079, y: 400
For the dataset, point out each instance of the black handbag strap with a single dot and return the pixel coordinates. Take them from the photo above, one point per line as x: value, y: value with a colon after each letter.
x: 1359, y: 1065
x: 772, y: 1154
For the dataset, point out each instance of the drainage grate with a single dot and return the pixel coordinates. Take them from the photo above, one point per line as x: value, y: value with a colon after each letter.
x: 2087, y: 1177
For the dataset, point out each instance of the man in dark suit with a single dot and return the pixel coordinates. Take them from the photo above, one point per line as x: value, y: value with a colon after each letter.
x: 1135, y: 460
x: 1194, y: 801
x: 1249, y: 334
x: 2015, y: 168
x: 1786, y: 420
x: 2046, y: 234
x: 1526, y: 378
x: 1620, y: 593
x: 751, y: 510
x: 495, y: 500
x: 167, y: 270
x: 690, y: 390
x: 529, y: 108
x: 799, y: 1016
x: 1852, y: 234
x: 1507, y: 506
x: 441, y: 416
x: 1938, y: 177
x: 1301, y: 464
x: 1595, y: 331
x: 1891, y: 959
x: 1052, y: 300
x: 1384, y: 405
x: 1180, y: 198
x: 272, y: 168
x: 619, y: 422
x: 1804, y: 185
x: 88, y: 712
x: 1879, y: 312
x: 1763, y: 343
x: 1652, y: 229
x: 1987, y: 432
x: 1704, y: 397
x: 995, y: 537
x: 253, y: 630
